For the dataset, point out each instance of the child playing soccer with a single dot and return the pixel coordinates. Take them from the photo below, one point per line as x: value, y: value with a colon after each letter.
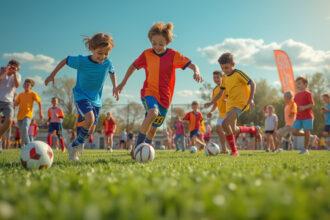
x: 92, y: 72
x: 239, y: 89
x: 55, y: 118
x: 9, y: 81
x: 221, y: 105
x: 33, y: 130
x: 25, y: 101
x: 326, y: 112
x: 290, y: 113
x: 109, y: 128
x: 271, y: 123
x: 179, y: 134
x: 195, y: 120
x: 159, y: 63
x: 304, y: 119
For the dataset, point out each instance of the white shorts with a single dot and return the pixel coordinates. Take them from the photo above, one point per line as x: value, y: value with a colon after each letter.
x: 220, y: 121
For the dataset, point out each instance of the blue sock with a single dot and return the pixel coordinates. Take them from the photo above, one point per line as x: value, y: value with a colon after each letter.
x: 148, y: 141
x: 140, y: 138
x: 81, y: 137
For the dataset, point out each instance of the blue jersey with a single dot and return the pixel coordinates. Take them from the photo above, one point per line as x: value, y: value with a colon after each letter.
x: 90, y: 78
x: 327, y: 115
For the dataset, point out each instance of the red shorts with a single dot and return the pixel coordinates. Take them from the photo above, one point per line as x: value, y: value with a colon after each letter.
x: 108, y: 133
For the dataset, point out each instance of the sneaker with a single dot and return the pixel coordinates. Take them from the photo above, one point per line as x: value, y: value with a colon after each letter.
x: 304, y: 151
x: 267, y: 150
x: 74, y: 152
x: 110, y: 150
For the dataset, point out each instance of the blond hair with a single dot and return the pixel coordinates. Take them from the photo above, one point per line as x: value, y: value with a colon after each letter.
x: 165, y: 30
x: 99, y: 40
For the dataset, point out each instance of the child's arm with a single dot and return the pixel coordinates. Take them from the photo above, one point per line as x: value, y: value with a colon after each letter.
x: 252, y: 91
x: 41, y: 115
x: 197, y: 75
x: 214, y: 107
x: 128, y: 74
x: 214, y: 100
x: 51, y: 77
x: 114, y: 85
x: 305, y: 107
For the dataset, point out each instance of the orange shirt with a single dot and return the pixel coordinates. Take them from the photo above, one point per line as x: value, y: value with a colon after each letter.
x: 55, y: 114
x: 195, y: 120
x: 160, y: 73
x: 290, y: 108
x: 25, y: 102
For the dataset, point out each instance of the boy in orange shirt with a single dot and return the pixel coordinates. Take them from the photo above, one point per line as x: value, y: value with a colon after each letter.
x: 25, y: 101
x: 55, y: 118
x: 290, y: 113
x: 195, y: 121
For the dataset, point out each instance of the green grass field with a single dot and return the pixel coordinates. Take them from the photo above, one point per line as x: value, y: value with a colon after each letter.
x: 176, y: 185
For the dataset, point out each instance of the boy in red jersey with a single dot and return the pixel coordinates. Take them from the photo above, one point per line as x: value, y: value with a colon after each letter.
x: 109, y: 128
x: 55, y: 118
x: 159, y: 63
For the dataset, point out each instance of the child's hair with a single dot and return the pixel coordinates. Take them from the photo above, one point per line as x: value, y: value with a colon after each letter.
x: 54, y: 98
x: 272, y: 107
x: 194, y: 103
x: 14, y: 63
x: 226, y: 58
x: 303, y: 79
x: 165, y: 30
x: 99, y: 40
x: 288, y: 95
x: 326, y: 95
x: 217, y: 72
x: 29, y: 81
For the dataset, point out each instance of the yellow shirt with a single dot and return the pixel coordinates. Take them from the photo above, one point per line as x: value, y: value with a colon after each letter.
x: 25, y: 104
x: 236, y: 86
x: 221, y: 103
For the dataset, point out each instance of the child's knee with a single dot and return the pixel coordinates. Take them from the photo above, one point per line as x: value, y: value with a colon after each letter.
x: 153, y: 112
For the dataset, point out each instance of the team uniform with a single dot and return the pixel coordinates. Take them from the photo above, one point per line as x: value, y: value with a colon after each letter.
x: 290, y: 110
x: 55, y: 118
x: 87, y: 92
x: 221, y: 104
x: 236, y: 86
x: 25, y: 102
x: 158, y: 88
x: 108, y: 126
x: 195, y: 123
x: 304, y: 119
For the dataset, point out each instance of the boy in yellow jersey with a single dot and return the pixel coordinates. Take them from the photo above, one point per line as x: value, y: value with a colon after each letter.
x: 25, y: 101
x: 221, y: 105
x: 239, y: 89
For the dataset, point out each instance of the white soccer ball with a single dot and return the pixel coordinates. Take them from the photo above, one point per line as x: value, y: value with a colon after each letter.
x: 212, y: 149
x: 37, y: 155
x: 144, y: 153
x: 193, y: 149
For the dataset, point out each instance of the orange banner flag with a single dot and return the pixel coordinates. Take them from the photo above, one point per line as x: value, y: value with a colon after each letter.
x: 285, y: 71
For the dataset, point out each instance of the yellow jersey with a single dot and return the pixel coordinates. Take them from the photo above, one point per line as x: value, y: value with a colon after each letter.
x: 237, y: 88
x: 25, y: 102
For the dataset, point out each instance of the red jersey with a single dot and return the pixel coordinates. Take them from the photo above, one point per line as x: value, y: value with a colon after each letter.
x: 195, y: 120
x: 160, y: 73
x: 301, y: 99
x: 109, y: 125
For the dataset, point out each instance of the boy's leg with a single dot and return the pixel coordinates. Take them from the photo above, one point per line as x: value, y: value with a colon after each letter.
x: 105, y: 140
x: 151, y: 134
x: 222, y: 138
x: 8, y: 112
x: 24, y: 130
x: 110, y: 141
x: 228, y: 124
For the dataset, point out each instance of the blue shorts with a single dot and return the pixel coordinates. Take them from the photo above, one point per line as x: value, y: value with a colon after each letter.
x: 306, y: 124
x: 194, y: 133
x: 150, y: 102
x: 55, y: 126
x: 84, y: 106
x: 238, y: 111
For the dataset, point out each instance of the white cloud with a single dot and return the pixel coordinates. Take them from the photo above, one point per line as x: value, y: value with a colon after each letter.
x: 188, y: 93
x: 260, y: 54
x: 37, y: 62
x: 37, y: 79
x: 327, y: 18
x: 276, y: 83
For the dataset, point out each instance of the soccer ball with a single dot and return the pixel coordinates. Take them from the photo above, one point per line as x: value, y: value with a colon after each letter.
x: 37, y: 155
x: 212, y: 149
x: 144, y: 153
x: 193, y: 149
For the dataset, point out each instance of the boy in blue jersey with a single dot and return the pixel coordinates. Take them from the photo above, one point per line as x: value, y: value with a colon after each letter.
x: 92, y: 72
x: 326, y: 112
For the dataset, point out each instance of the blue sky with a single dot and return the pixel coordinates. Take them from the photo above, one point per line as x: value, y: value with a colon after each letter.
x: 41, y: 33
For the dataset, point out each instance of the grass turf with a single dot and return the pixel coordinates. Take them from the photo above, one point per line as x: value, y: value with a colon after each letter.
x: 177, y: 185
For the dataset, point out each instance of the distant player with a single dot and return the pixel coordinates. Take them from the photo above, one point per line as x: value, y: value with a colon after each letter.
x: 55, y: 119
x: 109, y: 128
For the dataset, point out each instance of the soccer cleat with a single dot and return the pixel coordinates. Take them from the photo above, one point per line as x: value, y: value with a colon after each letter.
x: 304, y: 151
x: 234, y: 154
x: 74, y: 152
